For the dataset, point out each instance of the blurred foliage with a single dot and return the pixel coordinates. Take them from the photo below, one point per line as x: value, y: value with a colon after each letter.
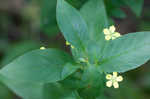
x: 19, y: 49
x: 25, y: 24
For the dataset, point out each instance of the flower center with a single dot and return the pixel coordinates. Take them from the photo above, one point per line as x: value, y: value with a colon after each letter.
x: 114, y: 79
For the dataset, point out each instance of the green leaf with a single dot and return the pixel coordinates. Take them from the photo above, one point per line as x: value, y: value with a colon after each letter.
x: 36, y: 90
x: 135, y: 5
x: 68, y: 70
x: 58, y: 91
x: 95, y: 15
x: 26, y: 90
x: 126, y: 53
x: 73, y: 81
x: 72, y: 24
x: 38, y: 66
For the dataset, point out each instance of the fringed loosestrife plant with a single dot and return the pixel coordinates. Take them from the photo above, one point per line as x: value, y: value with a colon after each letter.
x: 78, y: 76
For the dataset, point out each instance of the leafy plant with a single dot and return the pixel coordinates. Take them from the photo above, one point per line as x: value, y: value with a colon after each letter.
x: 96, y: 51
x: 114, y: 7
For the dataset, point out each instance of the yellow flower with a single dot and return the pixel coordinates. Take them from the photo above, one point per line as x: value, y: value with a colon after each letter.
x: 42, y: 48
x: 113, y: 80
x: 67, y: 43
x: 110, y: 33
x: 72, y: 46
x: 85, y: 60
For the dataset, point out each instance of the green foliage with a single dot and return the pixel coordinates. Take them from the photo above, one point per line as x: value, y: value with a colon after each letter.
x: 36, y: 90
x: 73, y: 27
x: 72, y: 24
x: 48, y: 17
x: 54, y: 74
x: 118, y: 13
x: 26, y: 90
x: 114, y: 7
x: 132, y: 52
x: 93, y: 82
x: 135, y: 5
x: 49, y: 63
x: 18, y: 49
x: 96, y: 19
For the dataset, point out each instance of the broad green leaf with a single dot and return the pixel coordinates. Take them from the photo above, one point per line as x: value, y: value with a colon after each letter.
x: 95, y: 15
x: 36, y: 90
x: 135, y: 5
x: 126, y: 53
x: 72, y: 25
x: 38, y: 66
x: 26, y: 90
x: 68, y: 70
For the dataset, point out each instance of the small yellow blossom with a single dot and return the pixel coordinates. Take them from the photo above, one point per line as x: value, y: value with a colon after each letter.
x: 42, y: 48
x: 67, y: 43
x: 110, y: 33
x: 113, y: 80
x: 85, y: 60
x: 72, y: 46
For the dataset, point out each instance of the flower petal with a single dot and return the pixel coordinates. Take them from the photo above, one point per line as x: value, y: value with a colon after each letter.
x: 108, y: 76
x: 42, y: 48
x: 72, y: 46
x: 109, y: 83
x: 67, y: 43
x: 115, y: 74
x: 119, y: 78
x: 116, y: 34
x: 112, y: 29
x: 113, y: 38
x: 116, y: 85
x: 106, y: 31
x: 108, y: 37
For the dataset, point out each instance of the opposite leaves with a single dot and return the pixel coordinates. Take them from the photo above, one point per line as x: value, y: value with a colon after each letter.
x: 119, y: 55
